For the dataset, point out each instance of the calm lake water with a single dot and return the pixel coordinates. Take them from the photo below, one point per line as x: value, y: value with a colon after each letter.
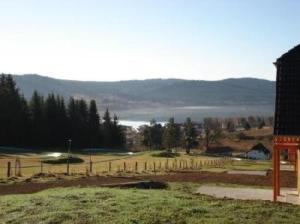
x: 138, y: 117
x: 136, y: 124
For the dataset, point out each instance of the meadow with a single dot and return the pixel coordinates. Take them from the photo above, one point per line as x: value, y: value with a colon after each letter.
x: 177, y: 204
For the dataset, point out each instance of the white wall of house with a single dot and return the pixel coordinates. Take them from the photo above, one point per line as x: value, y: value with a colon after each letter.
x: 256, y: 154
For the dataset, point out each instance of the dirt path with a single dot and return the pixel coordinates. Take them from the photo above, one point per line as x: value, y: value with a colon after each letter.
x: 288, y: 179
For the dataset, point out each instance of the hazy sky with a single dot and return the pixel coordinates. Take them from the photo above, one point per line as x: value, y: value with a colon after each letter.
x: 140, y: 39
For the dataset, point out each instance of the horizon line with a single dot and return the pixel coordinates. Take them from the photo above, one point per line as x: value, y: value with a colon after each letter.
x: 124, y: 80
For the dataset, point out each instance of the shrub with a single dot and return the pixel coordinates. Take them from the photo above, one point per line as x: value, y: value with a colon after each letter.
x: 64, y: 160
x: 166, y: 154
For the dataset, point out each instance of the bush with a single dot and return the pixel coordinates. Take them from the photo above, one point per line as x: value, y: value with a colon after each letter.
x: 166, y: 154
x: 64, y: 160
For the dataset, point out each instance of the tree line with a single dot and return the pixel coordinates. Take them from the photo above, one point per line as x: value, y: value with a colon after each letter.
x: 171, y: 135
x: 49, y: 121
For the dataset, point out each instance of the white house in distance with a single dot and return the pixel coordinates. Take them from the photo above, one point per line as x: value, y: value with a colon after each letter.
x: 258, y: 151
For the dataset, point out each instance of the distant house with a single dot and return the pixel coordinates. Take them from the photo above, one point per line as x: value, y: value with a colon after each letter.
x: 258, y: 151
x: 219, y: 151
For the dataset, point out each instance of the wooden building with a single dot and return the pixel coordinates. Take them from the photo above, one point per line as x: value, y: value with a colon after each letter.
x: 287, y: 114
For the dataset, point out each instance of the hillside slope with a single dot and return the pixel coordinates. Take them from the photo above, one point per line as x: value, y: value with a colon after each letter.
x: 124, y: 95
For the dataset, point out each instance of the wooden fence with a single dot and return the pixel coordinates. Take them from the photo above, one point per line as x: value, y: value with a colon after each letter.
x: 113, y: 167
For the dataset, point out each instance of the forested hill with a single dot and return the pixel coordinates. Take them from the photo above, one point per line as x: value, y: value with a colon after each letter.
x: 156, y: 92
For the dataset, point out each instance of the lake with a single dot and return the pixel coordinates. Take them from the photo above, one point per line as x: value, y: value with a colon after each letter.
x: 138, y: 117
x: 136, y: 124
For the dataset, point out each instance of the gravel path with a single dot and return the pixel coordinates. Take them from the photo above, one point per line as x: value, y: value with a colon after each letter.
x: 248, y: 172
x: 248, y: 193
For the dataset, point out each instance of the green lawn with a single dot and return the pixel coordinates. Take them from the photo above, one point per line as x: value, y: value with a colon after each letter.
x: 103, y: 205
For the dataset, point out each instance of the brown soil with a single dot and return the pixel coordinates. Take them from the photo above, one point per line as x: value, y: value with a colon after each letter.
x: 288, y: 179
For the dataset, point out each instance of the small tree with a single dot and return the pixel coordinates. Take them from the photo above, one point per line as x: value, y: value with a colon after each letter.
x: 230, y: 125
x: 245, y: 124
x: 261, y: 123
x: 212, y: 132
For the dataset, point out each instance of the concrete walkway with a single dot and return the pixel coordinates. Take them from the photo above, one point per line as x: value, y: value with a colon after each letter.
x: 287, y: 195
x: 248, y: 172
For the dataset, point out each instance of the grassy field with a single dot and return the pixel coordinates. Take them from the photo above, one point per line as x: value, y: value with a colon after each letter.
x: 178, y: 204
x: 31, y: 160
x: 31, y: 163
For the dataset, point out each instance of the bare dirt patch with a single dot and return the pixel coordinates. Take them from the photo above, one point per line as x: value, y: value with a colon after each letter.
x: 288, y: 179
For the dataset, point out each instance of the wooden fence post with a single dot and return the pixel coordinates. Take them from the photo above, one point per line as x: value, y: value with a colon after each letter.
x: 124, y: 166
x: 16, y: 167
x: 136, y: 166
x: 41, y: 166
x: 109, y: 166
x: 91, y: 166
x: 8, y: 168
x: 20, y: 169
x: 145, y: 166
x: 68, y: 167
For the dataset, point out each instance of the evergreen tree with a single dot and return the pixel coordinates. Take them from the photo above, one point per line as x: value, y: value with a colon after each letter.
x: 118, y: 137
x: 189, y: 135
x: 83, y: 123
x: 14, y: 113
x: 245, y: 124
x: 62, y: 122
x: 49, y: 123
x: 94, y: 125
x: 50, y: 120
x: 36, y: 110
x: 152, y: 135
x: 72, y: 121
x: 107, y: 129
x: 171, y: 135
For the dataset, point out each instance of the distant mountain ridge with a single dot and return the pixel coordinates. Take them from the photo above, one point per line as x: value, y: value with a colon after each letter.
x: 123, y: 95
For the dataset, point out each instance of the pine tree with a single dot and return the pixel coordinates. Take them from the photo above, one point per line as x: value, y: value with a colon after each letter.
x: 49, y: 123
x: 117, y: 134
x: 171, y: 134
x: 94, y: 125
x: 189, y: 135
x: 107, y: 129
x: 14, y: 113
x: 36, y: 111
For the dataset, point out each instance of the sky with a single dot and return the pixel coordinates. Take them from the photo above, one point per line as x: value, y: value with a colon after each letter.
x: 109, y: 40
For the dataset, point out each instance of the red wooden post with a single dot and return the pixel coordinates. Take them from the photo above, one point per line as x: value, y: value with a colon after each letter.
x: 278, y: 172
x: 274, y: 174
